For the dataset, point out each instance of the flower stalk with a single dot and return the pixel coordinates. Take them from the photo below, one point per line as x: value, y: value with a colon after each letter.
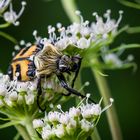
x: 111, y: 113
x: 22, y: 131
x: 31, y: 131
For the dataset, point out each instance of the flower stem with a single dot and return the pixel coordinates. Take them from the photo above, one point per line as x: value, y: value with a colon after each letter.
x: 5, y: 25
x: 111, y: 113
x: 133, y: 30
x: 95, y: 135
x: 7, y: 36
x: 22, y: 132
x: 70, y: 8
x: 31, y: 131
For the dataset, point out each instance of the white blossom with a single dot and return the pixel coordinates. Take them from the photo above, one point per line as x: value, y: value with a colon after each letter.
x: 4, y: 4
x: 47, y: 134
x: 53, y: 116
x: 60, y: 124
x: 113, y: 59
x: 74, y: 112
x: 29, y: 98
x: 59, y: 131
x: 11, y: 16
x: 38, y: 123
x: 64, y: 118
x: 86, y: 125
x: 13, y: 96
x: 22, y: 86
x: 3, y: 90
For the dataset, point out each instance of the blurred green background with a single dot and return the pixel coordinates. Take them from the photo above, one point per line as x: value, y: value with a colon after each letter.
x: 124, y: 84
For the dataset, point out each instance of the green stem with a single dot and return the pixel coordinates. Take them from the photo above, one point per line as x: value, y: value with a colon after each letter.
x: 5, y: 25
x: 130, y: 4
x: 31, y: 131
x: 111, y: 113
x: 133, y: 30
x: 7, y: 36
x: 70, y: 8
x: 22, y: 132
x: 95, y: 135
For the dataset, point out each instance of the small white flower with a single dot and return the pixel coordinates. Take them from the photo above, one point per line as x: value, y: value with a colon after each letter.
x: 37, y: 123
x: 74, y: 28
x: 53, y: 116
x: 71, y: 126
x: 64, y: 118
x: 11, y: 15
x: 86, y: 125
x: 3, y: 90
x: 113, y: 59
x: 47, y: 133
x: 8, y: 102
x: 4, y: 4
x: 101, y: 27
x: 74, y: 112
x: 59, y: 131
x: 13, y: 96
x: 22, y: 86
x: 83, y: 43
x: 33, y: 85
x: 90, y: 110
x: 29, y: 98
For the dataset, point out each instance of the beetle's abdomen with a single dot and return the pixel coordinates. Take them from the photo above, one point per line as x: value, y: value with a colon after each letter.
x: 22, y: 65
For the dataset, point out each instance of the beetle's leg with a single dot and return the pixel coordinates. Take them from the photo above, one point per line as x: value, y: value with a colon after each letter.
x: 39, y: 92
x: 69, y: 89
x: 76, y: 72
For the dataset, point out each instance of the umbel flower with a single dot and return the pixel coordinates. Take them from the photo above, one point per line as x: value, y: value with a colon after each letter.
x: 91, y: 40
x: 10, y: 16
x: 76, y: 124
x: 18, y: 102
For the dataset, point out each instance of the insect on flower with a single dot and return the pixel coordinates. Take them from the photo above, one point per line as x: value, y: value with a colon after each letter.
x: 42, y: 61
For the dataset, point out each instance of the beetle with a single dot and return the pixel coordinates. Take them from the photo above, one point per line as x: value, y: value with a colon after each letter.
x: 44, y: 60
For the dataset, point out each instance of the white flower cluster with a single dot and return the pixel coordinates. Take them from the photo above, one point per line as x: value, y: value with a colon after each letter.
x: 10, y: 16
x: 75, y: 122
x: 82, y: 34
x: 13, y: 92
